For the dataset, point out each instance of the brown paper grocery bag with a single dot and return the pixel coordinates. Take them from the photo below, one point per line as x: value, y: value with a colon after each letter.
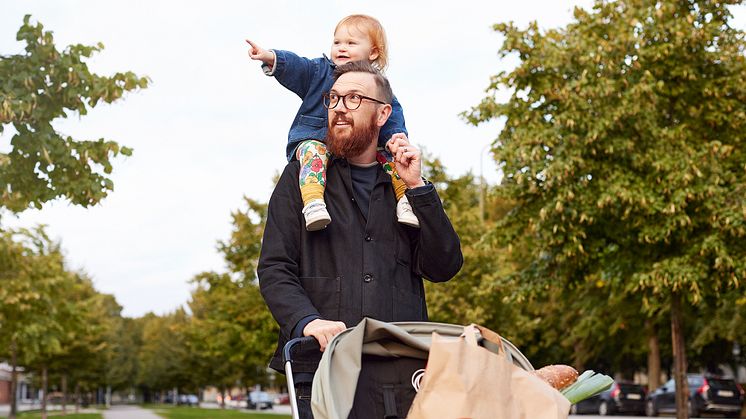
x: 465, y: 380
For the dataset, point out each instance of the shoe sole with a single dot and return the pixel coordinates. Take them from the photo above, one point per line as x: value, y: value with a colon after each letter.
x: 317, y: 224
x: 412, y: 222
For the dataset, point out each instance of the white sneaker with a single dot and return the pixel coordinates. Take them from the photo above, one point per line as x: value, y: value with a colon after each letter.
x: 404, y: 213
x: 316, y: 215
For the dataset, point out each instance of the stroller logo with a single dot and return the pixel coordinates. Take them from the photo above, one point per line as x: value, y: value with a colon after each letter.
x: 417, y: 378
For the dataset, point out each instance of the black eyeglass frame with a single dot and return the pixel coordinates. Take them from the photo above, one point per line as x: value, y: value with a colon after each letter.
x: 343, y: 98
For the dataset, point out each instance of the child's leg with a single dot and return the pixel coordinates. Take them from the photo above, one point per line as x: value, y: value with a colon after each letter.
x: 387, y: 162
x: 313, y: 159
x: 404, y: 212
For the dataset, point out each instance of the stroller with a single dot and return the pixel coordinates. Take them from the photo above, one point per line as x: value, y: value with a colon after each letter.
x: 373, y: 369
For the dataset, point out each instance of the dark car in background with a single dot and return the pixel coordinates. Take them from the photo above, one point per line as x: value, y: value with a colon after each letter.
x: 620, y: 398
x: 707, y: 394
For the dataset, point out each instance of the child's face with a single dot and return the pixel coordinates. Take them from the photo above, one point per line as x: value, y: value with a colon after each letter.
x: 351, y: 45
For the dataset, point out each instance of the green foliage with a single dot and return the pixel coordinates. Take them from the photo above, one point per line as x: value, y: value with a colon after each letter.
x: 475, y: 294
x: 164, y: 356
x: 32, y: 276
x: 227, y: 337
x: 125, y: 340
x: 623, y: 149
x: 623, y: 156
x: 51, y: 319
x: 241, y: 251
x: 86, y: 317
x: 39, y: 86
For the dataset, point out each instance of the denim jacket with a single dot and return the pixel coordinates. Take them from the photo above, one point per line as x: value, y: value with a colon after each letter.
x: 310, y: 79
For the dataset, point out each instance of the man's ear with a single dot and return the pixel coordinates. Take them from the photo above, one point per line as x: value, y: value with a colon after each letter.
x: 383, y: 115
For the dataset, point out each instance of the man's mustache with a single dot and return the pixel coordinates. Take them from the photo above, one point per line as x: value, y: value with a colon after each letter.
x: 341, y: 119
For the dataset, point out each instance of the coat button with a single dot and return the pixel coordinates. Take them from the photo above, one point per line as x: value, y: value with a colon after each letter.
x: 368, y: 238
x: 367, y: 277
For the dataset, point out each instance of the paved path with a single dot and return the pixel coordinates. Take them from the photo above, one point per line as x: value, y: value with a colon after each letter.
x: 129, y: 412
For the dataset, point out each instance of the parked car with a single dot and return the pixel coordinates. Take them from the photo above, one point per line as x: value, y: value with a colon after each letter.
x: 707, y: 394
x: 188, y: 399
x: 620, y: 398
x: 282, y: 398
x: 259, y: 400
x: 182, y: 399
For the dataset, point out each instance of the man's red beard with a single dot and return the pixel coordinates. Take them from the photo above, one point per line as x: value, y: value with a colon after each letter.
x: 352, y: 144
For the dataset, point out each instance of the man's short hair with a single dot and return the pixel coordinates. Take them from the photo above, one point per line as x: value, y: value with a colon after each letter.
x: 382, y: 83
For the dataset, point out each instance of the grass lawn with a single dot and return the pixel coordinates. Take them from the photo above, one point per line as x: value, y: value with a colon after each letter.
x: 36, y: 415
x: 199, y: 413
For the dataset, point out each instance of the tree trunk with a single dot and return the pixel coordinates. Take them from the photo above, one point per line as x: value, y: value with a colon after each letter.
x: 77, y: 397
x: 654, y: 356
x: 176, y: 396
x: 64, y: 394
x: 679, y: 358
x: 44, y: 387
x: 108, y: 397
x: 222, y: 398
x: 13, y: 381
x: 579, y: 355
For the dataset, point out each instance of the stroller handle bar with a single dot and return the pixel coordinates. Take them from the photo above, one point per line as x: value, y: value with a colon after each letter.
x: 306, y: 342
x: 287, y: 360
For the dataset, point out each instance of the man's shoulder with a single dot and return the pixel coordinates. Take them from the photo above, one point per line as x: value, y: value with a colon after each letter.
x: 290, y: 169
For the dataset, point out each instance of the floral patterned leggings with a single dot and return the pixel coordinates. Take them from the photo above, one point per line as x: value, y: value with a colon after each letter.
x: 313, y: 158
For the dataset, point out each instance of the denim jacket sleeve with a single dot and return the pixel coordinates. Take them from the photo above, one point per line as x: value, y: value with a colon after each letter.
x: 394, y: 125
x: 294, y: 72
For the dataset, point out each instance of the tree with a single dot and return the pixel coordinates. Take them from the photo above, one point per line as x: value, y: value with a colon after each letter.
x: 623, y: 151
x: 241, y: 253
x: 232, y: 330
x: 32, y: 276
x: 39, y: 86
x: 125, y: 340
x: 163, y: 357
x: 87, y: 346
x: 475, y: 294
x: 549, y: 328
x: 228, y: 333
x: 241, y: 250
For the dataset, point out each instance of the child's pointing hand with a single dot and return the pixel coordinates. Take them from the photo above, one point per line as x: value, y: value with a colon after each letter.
x: 258, y: 53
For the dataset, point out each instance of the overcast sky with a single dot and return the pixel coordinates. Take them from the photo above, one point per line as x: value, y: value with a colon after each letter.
x: 212, y: 128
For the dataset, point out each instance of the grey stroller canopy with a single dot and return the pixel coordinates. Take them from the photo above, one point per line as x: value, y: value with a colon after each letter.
x: 336, y: 379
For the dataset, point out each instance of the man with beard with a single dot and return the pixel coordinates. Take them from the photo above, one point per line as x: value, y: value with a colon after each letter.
x: 365, y: 264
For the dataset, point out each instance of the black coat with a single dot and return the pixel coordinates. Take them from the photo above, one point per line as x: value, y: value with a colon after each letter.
x: 353, y: 268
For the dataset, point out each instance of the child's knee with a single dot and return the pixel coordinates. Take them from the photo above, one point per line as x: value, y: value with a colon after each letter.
x: 313, y: 146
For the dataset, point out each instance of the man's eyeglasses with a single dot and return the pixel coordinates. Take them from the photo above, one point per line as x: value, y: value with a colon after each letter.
x: 351, y: 101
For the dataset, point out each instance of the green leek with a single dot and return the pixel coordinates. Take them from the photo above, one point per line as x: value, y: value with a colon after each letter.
x: 587, y: 385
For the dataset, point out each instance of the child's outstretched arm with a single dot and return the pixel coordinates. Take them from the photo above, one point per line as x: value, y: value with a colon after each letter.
x: 260, y: 54
x: 293, y: 72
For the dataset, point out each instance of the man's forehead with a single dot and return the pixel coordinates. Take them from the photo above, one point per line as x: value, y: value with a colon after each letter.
x: 354, y: 82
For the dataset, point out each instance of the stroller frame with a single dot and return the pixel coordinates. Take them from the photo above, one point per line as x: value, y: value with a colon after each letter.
x: 422, y: 330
